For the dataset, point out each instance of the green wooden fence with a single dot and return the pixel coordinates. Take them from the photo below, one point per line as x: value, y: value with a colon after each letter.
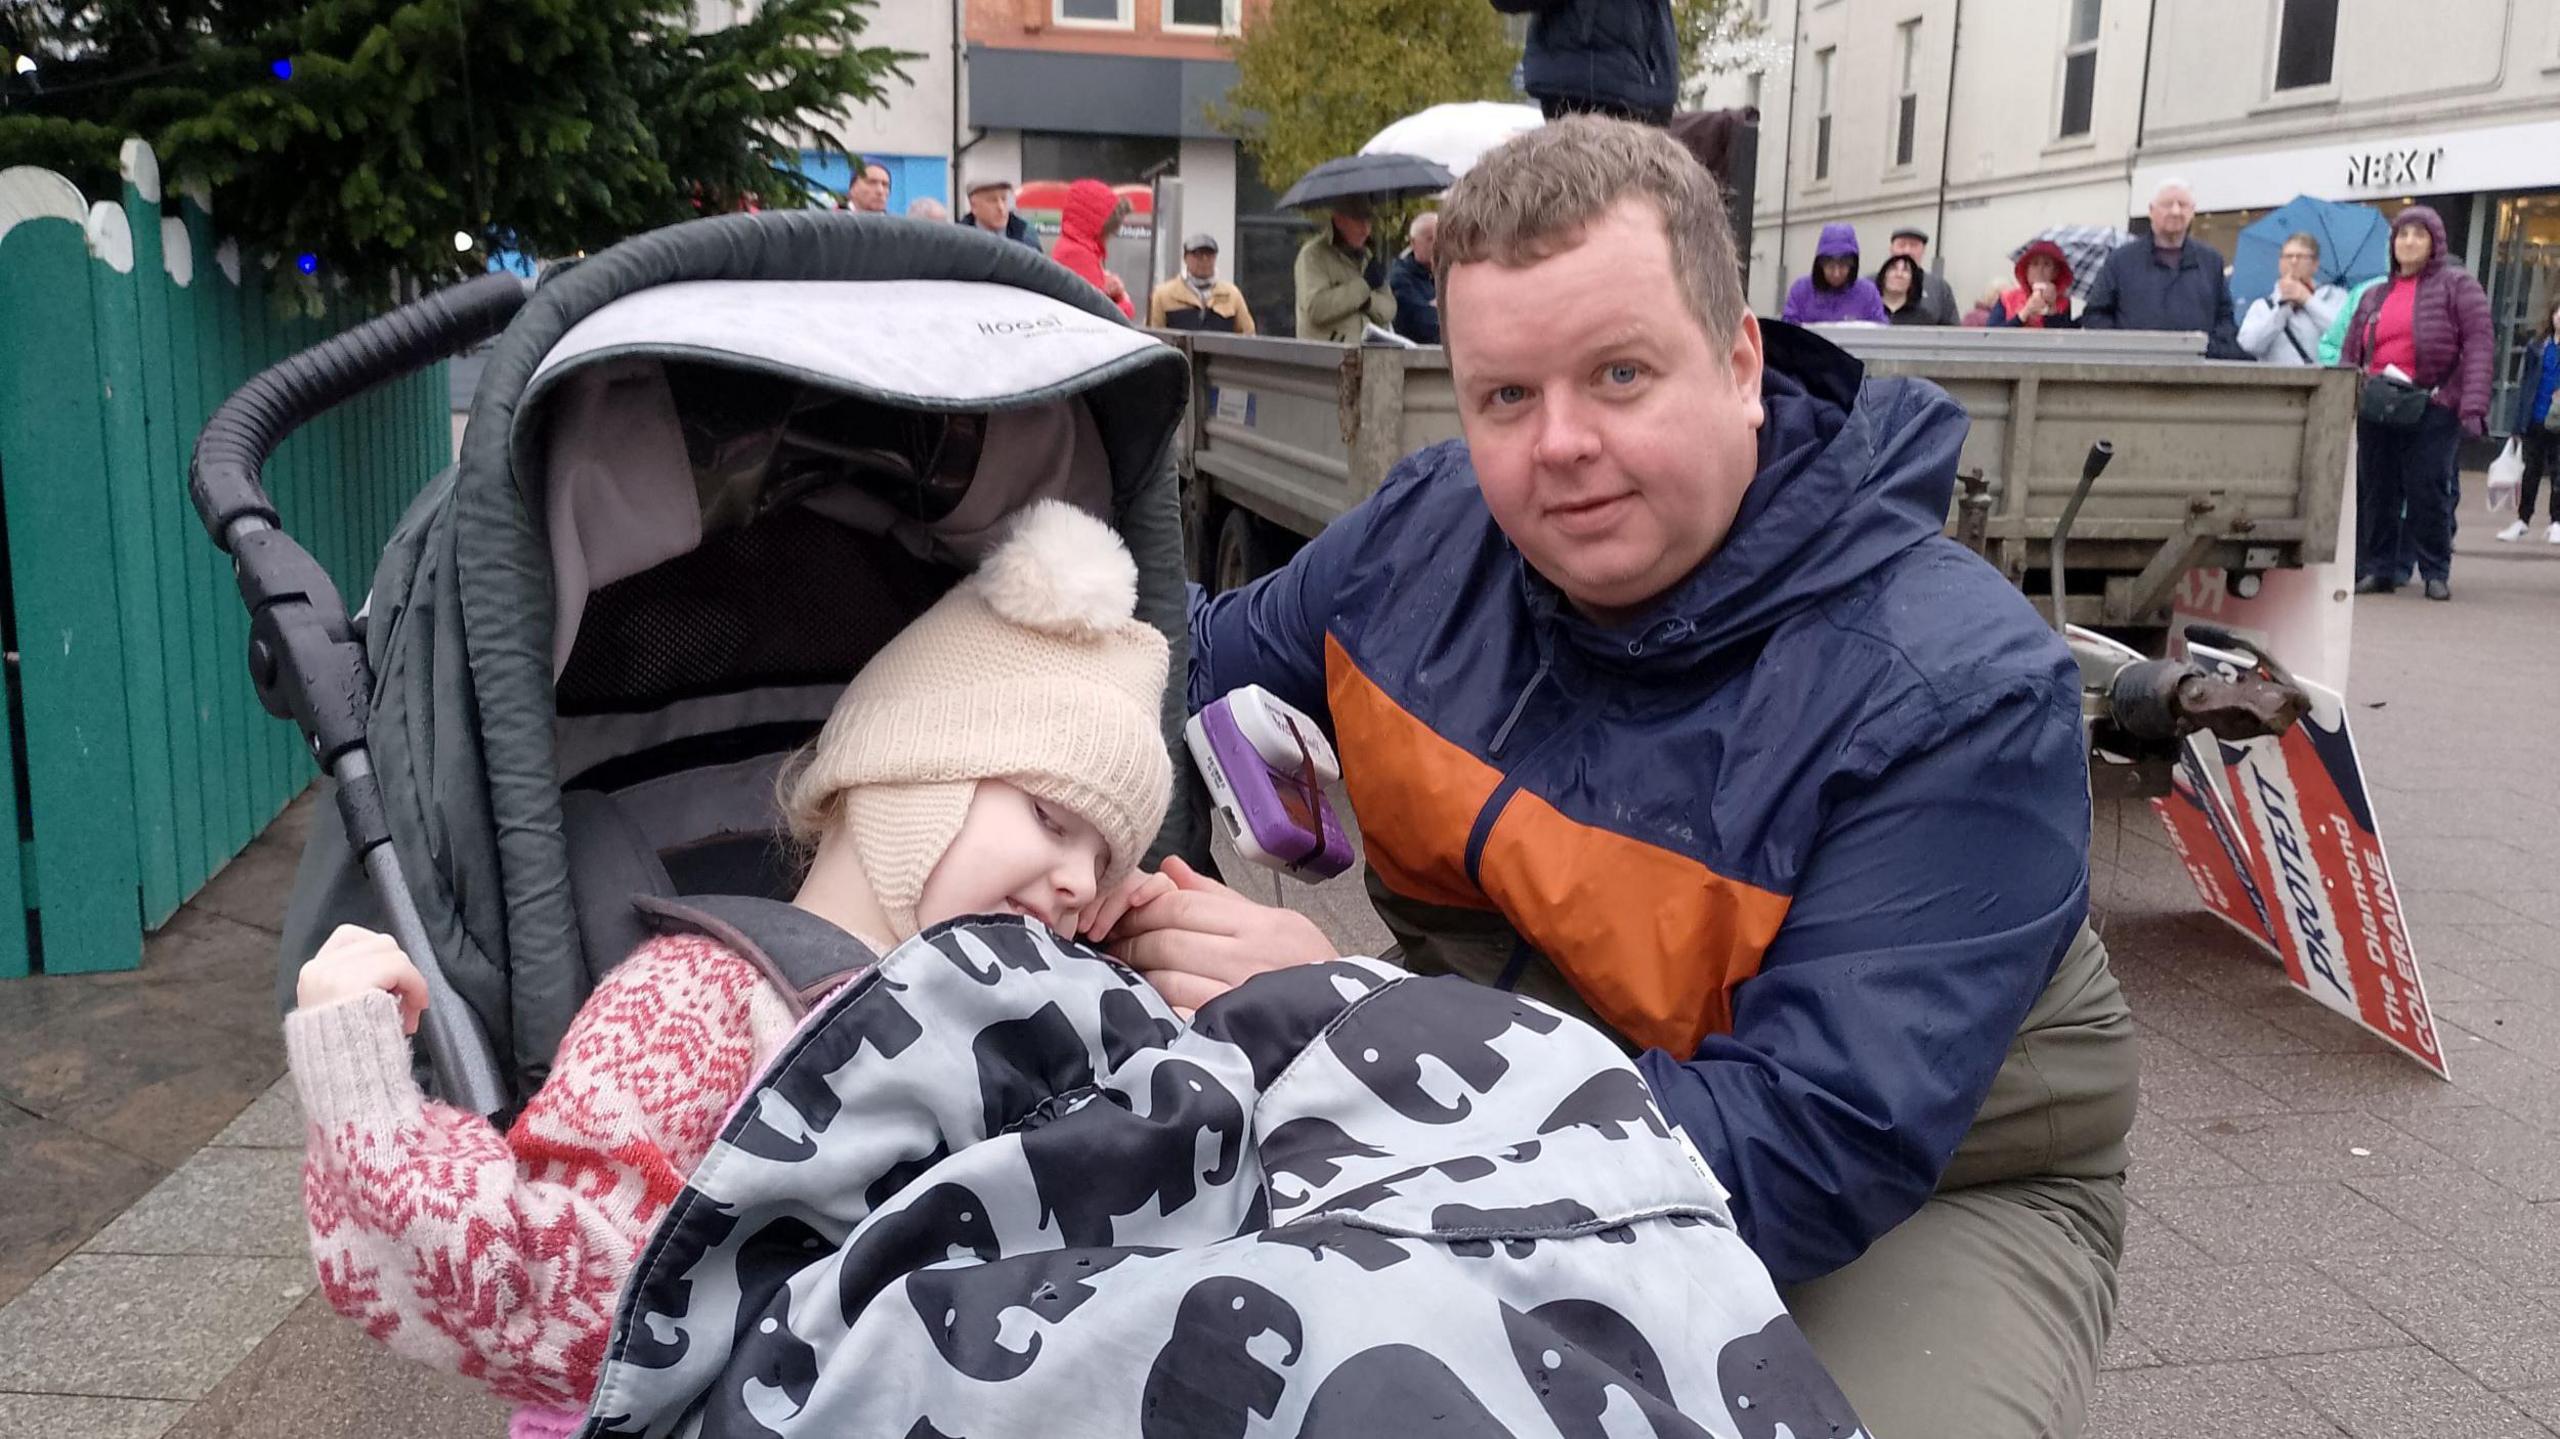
x: 140, y: 761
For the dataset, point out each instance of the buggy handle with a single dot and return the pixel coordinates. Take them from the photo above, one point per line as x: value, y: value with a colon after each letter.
x: 225, y: 476
x: 306, y: 656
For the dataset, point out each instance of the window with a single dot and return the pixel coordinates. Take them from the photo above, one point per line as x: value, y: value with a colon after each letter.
x: 1906, y: 120
x: 1200, y: 14
x: 1751, y: 89
x: 1822, y: 113
x: 2079, y: 70
x: 1092, y: 12
x: 2306, y: 43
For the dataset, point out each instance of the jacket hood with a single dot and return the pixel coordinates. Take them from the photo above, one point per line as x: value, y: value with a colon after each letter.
x: 1852, y: 472
x: 2426, y: 216
x: 2053, y: 252
x: 1089, y: 203
x: 1838, y: 242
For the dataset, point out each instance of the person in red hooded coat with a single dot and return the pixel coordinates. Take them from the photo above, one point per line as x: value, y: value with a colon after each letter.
x: 2042, y: 300
x: 1086, y: 224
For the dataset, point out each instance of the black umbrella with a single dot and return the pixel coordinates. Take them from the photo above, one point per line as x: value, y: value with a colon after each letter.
x: 1366, y: 177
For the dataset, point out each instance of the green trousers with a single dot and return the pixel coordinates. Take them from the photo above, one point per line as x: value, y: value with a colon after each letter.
x: 1983, y: 1315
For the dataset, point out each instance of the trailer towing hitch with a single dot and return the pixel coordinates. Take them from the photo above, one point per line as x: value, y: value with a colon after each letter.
x: 2139, y: 712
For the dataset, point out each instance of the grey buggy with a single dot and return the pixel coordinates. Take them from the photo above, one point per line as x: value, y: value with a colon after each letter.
x: 707, y: 474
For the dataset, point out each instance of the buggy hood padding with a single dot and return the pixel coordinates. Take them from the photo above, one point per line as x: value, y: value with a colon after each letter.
x: 599, y: 425
x: 461, y: 629
x: 993, y: 1188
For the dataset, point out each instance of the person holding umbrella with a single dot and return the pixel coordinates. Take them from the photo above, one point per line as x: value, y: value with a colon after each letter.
x: 2285, y: 326
x: 1341, y: 277
x: 1342, y: 281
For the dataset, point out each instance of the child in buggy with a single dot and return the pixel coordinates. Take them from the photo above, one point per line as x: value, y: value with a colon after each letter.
x: 1000, y: 755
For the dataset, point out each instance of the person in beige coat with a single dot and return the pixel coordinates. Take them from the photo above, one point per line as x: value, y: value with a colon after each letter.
x: 1342, y: 282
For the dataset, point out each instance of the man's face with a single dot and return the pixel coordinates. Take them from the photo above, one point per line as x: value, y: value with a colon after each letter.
x: 1917, y: 249
x: 1203, y: 264
x: 2299, y: 263
x: 2172, y: 210
x: 1354, y: 229
x: 871, y: 191
x: 1426, y: 239
x: 991, y: 206
x: 1612, y: 438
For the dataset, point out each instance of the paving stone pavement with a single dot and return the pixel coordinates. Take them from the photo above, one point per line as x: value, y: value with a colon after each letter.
x: 2323, y: 1240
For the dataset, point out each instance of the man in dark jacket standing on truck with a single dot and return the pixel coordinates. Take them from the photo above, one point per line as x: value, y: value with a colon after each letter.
x: 1600, y: 57
x: 1662, y: 698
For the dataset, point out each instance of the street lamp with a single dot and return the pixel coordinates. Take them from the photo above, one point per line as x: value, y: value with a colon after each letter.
x: 26, y: 64
x: 462, y: 242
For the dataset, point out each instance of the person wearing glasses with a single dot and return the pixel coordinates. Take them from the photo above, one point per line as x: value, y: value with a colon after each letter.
x: 2284, y: 326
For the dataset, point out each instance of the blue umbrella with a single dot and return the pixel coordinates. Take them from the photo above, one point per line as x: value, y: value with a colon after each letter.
x: 2355, y: 245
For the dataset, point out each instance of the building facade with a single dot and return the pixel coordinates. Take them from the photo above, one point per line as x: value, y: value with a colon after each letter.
x: 1124, y: 91
x: 1985, y: 121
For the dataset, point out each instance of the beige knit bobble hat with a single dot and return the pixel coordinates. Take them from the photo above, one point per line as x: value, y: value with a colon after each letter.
x: 1034, y: 670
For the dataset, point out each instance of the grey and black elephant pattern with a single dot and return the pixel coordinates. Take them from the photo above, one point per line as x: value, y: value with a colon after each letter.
x: 994, y: 1188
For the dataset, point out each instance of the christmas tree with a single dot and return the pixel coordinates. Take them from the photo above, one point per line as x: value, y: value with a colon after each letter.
x: 380, y: 135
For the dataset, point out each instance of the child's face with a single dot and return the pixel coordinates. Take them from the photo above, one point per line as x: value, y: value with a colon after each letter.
x: 1016, y: 855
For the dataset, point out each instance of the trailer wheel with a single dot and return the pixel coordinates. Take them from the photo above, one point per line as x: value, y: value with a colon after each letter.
x: 1247, y: 551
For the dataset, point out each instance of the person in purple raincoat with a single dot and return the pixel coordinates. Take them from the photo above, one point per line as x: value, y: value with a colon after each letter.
x: 1835, y: 293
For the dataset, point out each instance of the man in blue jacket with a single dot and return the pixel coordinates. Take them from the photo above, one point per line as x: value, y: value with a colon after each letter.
x: 1663, y: 699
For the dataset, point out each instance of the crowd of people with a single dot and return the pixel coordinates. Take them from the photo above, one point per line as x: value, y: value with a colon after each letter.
x: 2419, y: 334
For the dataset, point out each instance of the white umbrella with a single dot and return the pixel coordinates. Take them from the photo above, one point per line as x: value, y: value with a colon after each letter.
x: 1454, y: 135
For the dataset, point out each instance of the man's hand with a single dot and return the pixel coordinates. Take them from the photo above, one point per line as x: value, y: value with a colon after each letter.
x: 355, y: 962
x: 2292, y: 291
x: 2039, y: 301
x: 1204, y: 939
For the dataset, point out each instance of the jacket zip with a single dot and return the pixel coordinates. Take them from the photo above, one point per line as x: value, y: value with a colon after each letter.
x: 1510, y: 785
x: 1518, y: 707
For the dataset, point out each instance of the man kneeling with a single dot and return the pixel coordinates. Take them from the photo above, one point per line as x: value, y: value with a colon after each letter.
x: 1661, y: 698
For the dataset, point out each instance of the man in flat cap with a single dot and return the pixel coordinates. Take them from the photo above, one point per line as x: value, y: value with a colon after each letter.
x: 1197, y: 299
x: 1937, y: 297
x: 988, y: 189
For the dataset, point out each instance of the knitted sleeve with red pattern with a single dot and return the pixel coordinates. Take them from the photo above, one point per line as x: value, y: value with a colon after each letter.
x: 500, y: 1256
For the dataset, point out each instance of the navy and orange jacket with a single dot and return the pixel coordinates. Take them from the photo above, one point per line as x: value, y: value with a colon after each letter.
x: 1812, y: 833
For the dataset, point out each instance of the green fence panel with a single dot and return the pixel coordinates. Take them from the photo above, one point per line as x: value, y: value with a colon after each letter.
x: 79, y: 802
x: 115, y: 304
x: 160, y: 583
x: 137, y: 759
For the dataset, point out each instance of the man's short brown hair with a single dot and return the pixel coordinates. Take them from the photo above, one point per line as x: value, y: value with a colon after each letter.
x: 1532, y: 196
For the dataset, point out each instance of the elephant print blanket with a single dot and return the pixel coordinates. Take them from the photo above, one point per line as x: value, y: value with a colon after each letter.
x: 993, y: 1188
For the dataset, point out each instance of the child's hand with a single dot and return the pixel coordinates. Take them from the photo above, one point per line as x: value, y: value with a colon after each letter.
x: 1135, y: 892
x: 356, y: 962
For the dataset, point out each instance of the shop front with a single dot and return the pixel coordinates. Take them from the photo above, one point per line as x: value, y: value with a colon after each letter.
x: 2497, y: 187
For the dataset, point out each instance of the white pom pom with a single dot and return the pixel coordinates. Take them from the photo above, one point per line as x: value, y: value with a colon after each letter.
x: 1061, y: 572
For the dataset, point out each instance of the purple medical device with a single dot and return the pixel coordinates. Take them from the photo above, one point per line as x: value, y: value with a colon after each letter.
x: 1266, y: 766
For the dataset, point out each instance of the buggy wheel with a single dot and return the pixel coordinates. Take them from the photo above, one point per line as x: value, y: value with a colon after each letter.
x: 1247, y: 550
